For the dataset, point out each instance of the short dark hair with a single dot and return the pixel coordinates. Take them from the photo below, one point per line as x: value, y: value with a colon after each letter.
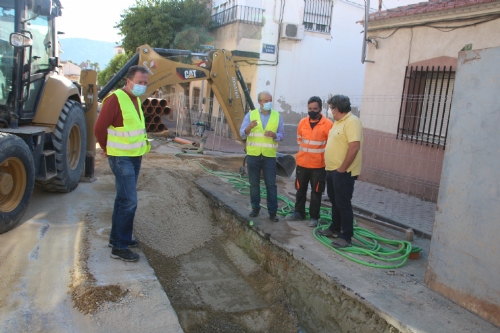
x: 317, y: 100
x: 134, y: 69
x: 340, y: 102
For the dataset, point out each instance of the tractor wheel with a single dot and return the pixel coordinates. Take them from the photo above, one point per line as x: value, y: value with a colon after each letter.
x: 17, y: 178
x: 70, y: 143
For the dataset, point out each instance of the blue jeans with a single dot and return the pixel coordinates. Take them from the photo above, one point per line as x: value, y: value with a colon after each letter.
x: 126, y: 171
x: 268, y: 166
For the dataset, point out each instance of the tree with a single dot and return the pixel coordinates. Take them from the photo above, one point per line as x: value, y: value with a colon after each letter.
x: 157, y: 22
x: 191, y: 38
x: 114, y: 66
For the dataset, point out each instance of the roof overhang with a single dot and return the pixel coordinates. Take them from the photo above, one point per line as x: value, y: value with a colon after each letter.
x: 442, y: 16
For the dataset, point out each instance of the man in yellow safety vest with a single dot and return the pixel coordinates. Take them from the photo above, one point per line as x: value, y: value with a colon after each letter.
x: 263, y: 128
x: 121, y: 133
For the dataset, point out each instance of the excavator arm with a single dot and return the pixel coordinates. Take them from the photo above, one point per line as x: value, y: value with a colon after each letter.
x: 221, y: 73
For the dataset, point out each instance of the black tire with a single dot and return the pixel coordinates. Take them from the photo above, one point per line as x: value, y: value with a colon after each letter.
x: 16, y: 161
x: 70, y: 130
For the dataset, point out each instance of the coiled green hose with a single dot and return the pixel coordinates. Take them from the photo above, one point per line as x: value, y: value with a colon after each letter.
x: 392, y: 253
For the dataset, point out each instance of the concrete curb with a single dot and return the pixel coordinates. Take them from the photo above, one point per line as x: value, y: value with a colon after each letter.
x: 381, y: 217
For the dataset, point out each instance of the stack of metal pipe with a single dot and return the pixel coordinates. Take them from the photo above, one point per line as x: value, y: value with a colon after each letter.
x: 154, y: 109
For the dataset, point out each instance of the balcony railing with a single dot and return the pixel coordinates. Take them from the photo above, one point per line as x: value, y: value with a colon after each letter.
x: 244, y: 14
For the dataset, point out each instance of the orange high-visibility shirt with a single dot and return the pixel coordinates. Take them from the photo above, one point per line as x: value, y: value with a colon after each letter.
x: 312, y: 142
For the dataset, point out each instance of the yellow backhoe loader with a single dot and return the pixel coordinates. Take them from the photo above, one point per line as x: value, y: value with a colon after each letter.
x: 46, y: 121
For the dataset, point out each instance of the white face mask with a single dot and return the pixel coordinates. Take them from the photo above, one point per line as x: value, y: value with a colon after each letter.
x: 268, y: 106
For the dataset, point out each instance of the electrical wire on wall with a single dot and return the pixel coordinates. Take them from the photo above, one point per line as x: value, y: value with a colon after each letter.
x: 482, y: 19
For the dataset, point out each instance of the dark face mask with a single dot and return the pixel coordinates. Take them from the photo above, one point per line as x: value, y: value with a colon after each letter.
x: 313, y: 115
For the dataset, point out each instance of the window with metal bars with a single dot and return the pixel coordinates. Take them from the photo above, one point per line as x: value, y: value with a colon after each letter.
x: 318, y: 15
x: 425, y: 105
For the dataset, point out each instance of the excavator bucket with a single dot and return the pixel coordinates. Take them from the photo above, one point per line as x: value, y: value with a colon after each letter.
x: 285, y: 165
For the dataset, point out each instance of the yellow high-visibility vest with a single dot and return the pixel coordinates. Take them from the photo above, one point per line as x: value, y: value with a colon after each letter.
x: 257, y: 143
x: 131, y: 139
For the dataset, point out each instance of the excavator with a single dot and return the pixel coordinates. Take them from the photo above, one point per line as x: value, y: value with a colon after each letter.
x: 219, y: 68
x: 47, y: 121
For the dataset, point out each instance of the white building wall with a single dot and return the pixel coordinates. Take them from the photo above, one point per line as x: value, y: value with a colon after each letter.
x: 320, y: 64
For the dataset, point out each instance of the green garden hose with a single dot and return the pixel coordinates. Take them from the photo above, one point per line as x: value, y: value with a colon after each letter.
x: 388, y: 253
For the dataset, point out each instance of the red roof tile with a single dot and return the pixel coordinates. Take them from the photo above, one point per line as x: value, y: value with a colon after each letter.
x: 425, y: 7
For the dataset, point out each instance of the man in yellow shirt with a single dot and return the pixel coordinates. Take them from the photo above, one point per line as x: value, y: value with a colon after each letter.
x: 343, y: 166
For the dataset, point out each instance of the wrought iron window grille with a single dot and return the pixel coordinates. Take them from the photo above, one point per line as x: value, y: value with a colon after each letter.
x: 318, y: 15
x: 424, y: 113
x: 243, y: 14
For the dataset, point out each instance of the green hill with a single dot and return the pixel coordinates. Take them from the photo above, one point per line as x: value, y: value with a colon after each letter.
x: 80, y: 50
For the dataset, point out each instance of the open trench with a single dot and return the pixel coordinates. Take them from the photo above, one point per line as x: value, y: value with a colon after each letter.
x: 212, y: 284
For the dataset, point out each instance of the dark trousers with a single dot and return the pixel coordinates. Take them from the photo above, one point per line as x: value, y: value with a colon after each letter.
x: 126, y: 171
x: 340, y: 187
x: 268, y: 166
x: 316, y: 178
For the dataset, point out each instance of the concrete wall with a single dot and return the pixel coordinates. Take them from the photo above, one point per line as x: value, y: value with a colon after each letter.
x: 319, y: 64
x: 464, y: 260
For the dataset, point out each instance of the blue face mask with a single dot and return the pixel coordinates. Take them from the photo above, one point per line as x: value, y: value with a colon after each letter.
x: 268, y: 106
x: 138, y: 90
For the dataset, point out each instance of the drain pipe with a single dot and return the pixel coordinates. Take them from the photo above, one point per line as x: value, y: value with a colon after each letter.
x: 363, y: 50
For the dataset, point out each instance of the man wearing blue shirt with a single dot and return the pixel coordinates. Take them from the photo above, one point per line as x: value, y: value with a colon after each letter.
x: 263, y: 128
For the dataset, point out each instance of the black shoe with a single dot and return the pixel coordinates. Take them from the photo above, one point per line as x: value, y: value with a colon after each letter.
x: 274, y: 218
x: 133, y: 243
x: 254, y: 212
x: 295, y: 216
x: 125, y: 255
x: 341, y: 243
x: 329, y: 233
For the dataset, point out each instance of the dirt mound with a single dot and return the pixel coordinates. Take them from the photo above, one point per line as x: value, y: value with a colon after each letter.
x: 173, y: 216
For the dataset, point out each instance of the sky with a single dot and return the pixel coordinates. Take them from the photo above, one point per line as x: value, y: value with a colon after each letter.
x: 92, y: 19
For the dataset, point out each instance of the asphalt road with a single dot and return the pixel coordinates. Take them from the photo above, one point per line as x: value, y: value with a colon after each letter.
x: 45, y: 257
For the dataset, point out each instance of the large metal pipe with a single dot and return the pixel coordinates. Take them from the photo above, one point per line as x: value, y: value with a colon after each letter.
x: 363, y: 51
x: 183, y: 141
x: 167, y: 110
x: 152, y: 127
